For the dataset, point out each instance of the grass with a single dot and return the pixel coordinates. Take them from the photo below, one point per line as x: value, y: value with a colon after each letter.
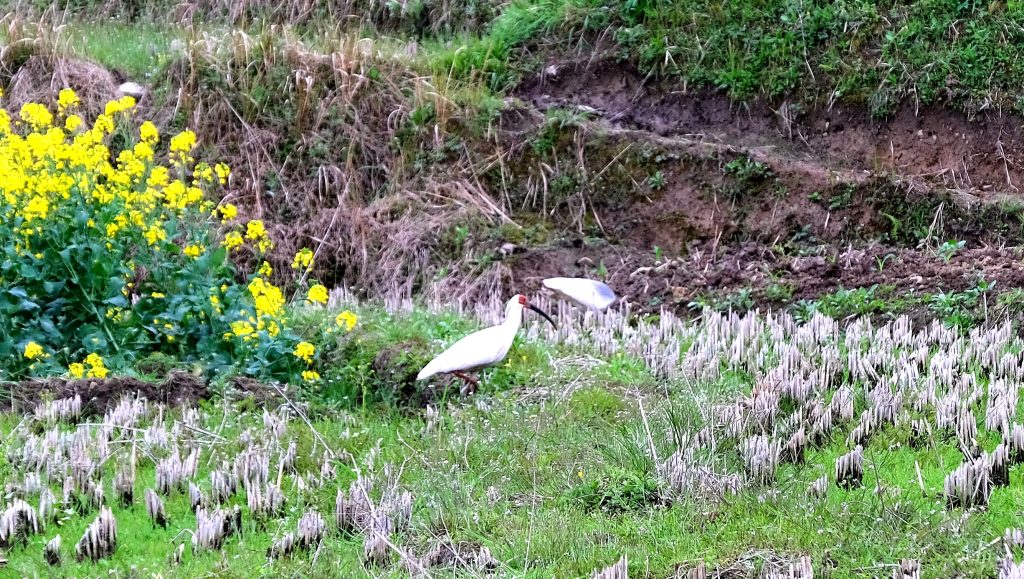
x: 117, y: 46
x: 927, y: 52
x: 550, y: 467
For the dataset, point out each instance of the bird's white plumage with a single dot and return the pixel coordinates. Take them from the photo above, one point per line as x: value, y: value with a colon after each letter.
x: 586, y: 293
x: 479, y: 349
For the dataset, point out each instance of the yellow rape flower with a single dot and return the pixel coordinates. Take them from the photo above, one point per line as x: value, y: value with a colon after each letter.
x: 223, y: 172
x: 193, y: 250
x: 265, y: 270
x: 72, y: 123
x: 267, y: 297
x: 181, y: 146
x: 76, y: 370
x: 303, y: 259
x: 155, y: 234
x: 242, y: 328
x: 36, y: 115
x: 66, y: 99
x: 143, y: 151
x: 119, y: 106
x: 232, y: 240
x: 104, y: 124
x: 347, y: 320
x: 317, y: 294
x: 310, y: 375
x: 38, y: 208
x: 96, y: 366
x: 34, y: 351
x: 149, y: 133
x: 304, y: 351
x: 228, y: 212
x: 254, y: 230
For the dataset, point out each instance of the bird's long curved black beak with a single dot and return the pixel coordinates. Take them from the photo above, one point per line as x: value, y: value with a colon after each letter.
x: 544, y: 314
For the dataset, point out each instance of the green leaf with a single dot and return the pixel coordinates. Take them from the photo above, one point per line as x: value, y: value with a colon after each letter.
x: 27, y: 306
x: 117, y: 301
x: 48, y: 327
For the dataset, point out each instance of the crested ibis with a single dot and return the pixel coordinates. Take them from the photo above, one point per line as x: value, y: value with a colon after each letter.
x: 585, y: 293
x: 484, y: 348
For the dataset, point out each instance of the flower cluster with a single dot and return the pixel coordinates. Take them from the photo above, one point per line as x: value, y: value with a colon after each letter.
x: 112, y: 250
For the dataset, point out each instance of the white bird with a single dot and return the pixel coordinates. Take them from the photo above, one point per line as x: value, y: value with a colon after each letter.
x: 484, y: 348
x: 586, y: 293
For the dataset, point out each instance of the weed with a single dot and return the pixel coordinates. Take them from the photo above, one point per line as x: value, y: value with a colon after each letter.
x: 739, y: 301
x: 656, y: 181
x: 747, y: 170
x: 618, y: 492
x: 960, y: 309
x: 779, y: 292
x: 880, y: 261
x: 950, y: 248
x: 841, y: 200
x: 876, y: 299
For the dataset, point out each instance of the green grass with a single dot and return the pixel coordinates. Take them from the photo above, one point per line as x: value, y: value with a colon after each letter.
x: 967, y: 54
x: 549, y: 467
x: 138, y: 50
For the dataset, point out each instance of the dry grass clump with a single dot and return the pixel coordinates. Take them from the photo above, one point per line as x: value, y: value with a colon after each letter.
x: 35, y: 64
x: 326, y: 140
x: 425, y: 18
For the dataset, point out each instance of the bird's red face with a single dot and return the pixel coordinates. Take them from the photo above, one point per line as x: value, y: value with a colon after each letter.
x: 526, y: 304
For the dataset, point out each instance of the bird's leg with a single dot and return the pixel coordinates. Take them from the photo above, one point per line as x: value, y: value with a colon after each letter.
x: 471, y: 383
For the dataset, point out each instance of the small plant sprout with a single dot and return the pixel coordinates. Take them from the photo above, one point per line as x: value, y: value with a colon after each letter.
x: 950, y: 248
x: 882, y: 260
x: 656, y: 181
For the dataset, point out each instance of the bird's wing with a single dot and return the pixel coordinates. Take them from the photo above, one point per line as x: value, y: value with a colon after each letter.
x: 483, y: 348
x: 585, y: 292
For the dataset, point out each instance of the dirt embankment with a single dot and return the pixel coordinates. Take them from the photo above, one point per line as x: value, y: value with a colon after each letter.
x: 762, y: 195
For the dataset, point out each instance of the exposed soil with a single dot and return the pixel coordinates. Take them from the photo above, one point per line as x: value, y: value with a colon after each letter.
x: 98, y: 395
x: 755, y: 267
x: 243, y: 388
x: 981, y: 154
x: 839, y: 192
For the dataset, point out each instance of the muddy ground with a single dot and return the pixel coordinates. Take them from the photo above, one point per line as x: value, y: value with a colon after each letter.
x: 101, y: 394
x: 849, y: 200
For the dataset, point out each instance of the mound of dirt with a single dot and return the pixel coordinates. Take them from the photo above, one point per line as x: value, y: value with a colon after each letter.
x: 100, y: 394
